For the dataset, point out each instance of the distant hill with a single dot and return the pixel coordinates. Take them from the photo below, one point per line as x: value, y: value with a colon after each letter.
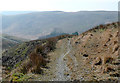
x: 54, y: 33
x: 36, y: 24
x: 10, y: 41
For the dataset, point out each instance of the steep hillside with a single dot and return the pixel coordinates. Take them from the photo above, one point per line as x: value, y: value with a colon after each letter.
x: 36, y: 24
x: 90, y: 56
x: 96, y: 54
x: 26, y: 54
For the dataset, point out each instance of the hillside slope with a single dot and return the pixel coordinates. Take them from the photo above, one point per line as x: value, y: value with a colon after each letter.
x: 90, y: 56
x: 10, y: 41
x: 96, y: 53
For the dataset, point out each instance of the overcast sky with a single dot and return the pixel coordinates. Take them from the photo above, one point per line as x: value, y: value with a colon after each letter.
x: 60, y: 5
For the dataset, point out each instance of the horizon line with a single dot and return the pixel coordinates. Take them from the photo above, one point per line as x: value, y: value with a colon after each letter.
x: 27, y: 12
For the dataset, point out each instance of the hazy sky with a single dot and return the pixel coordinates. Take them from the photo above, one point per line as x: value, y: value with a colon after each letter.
x: 53, y: 5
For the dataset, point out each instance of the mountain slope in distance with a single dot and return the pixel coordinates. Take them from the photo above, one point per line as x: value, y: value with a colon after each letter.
x: 11, y: 41
x: 36, y: 24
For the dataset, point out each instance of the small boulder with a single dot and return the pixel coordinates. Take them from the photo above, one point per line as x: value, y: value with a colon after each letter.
x: 85, y: 55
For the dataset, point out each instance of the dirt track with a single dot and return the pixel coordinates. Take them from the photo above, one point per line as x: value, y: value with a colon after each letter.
x: 61, y: 66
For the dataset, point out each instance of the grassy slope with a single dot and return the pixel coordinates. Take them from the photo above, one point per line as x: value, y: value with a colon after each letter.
x: 15, y: 57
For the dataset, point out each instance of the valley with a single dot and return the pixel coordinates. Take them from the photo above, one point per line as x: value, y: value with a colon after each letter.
x: 41, y: 24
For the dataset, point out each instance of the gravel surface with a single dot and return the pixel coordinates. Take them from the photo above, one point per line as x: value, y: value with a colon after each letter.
x: 61, y: 65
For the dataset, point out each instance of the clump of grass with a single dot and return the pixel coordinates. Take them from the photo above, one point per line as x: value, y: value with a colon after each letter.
x: 9, y: 68
x: 18, y: 64
x: 26, y: 66
x: 20, y: 77
x: 101, y: 29
x: 16, y: 76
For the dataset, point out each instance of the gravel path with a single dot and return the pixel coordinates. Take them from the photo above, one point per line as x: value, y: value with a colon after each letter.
x: 61, y: 66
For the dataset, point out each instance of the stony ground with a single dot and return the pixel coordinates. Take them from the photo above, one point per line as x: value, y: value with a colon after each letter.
x: 97, y: 55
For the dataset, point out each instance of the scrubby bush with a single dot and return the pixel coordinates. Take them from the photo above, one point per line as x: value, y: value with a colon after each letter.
x: 101, y: 26
x: 26, y: 66
x: 40, y: 50
x: 51, y: 43
x: 37, y: 59
x: 33, y: 64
